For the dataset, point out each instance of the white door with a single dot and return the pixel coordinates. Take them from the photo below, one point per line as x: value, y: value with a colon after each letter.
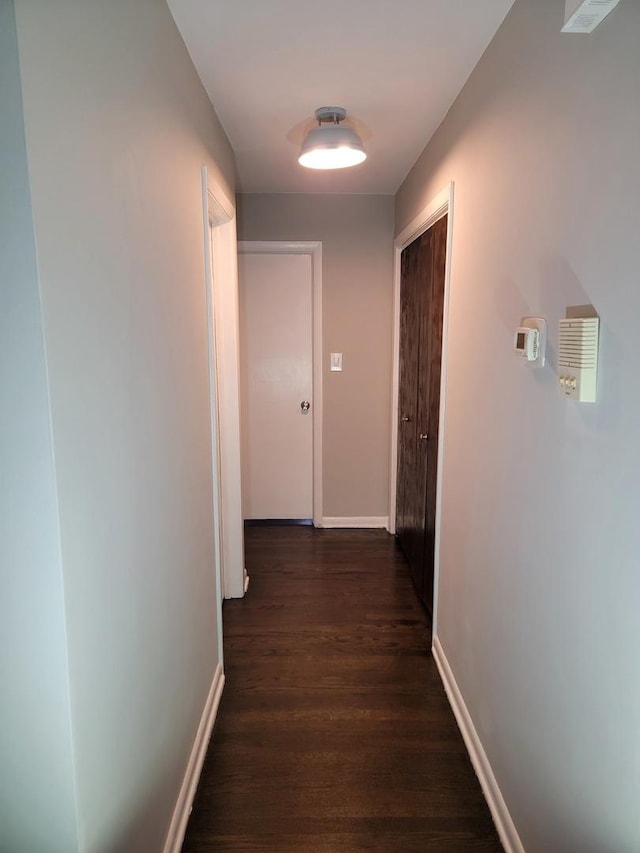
x: 276, y: 370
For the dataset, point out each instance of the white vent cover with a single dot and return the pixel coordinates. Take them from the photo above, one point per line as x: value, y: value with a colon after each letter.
x: 583, y: 16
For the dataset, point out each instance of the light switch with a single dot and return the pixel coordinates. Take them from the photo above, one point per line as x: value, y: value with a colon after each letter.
x: 336, y: 361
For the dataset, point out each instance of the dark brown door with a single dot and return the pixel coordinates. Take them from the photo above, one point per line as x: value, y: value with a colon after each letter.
x: 421, y: 318
x: 414, y: 291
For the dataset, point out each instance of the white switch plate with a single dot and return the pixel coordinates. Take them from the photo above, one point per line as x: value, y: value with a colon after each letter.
x: 336, y: 361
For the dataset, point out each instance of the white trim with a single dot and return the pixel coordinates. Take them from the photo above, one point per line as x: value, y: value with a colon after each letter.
x: 502, y: 819
x: 221, y: 232
x: 278, y: 247
x: 313, y: 248
x: 441, y: 205
x: 184, y: 803
x: 372, y: 522
x: 220, y: 207
x: 213, y: 409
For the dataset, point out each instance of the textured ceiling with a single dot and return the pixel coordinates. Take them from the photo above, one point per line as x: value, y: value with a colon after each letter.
x: 395, y: 66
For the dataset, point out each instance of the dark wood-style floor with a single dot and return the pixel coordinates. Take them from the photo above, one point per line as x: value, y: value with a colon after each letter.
x: 334, y: 734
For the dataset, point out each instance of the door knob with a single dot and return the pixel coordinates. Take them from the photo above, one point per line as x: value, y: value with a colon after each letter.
x: 405, y: 420
x: 424, y: 436
x: 305, y: 405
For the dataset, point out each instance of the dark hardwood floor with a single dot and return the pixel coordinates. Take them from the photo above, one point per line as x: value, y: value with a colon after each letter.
x: 334, y: 734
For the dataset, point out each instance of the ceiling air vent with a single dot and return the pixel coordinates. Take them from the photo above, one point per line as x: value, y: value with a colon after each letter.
x: 583, y: 16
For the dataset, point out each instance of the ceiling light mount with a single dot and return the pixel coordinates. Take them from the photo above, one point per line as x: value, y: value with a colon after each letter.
x: 330, y: 114
x: 330, y: 146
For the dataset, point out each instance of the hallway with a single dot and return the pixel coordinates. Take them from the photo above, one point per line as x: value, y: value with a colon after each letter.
x: 334, y: 733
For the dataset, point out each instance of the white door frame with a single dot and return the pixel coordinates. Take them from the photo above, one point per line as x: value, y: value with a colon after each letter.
x: 220, y: 244
x: 314, y: 249
x: 440, y: 206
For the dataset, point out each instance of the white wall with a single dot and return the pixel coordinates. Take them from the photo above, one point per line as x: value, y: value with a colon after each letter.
x: 540, y: 581
x: 117, y: 128
x: 357, y: 286
x: 36, y: 776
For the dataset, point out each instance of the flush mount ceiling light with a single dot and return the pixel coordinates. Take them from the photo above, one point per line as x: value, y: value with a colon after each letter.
x: 330, y: 146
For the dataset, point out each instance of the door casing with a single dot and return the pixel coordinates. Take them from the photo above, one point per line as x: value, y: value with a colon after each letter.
x: 440, y: 206
x: 220, y: 258
x: 314, y: 249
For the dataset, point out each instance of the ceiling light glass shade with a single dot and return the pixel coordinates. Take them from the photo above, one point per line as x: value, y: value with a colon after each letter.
x: 331, y: 147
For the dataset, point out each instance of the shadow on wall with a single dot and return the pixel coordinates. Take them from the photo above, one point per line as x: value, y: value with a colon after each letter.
x: 139, y: 824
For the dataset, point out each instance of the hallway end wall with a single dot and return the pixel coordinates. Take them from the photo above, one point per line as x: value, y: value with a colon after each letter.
x: 357, y: 291
x: 539, y: 582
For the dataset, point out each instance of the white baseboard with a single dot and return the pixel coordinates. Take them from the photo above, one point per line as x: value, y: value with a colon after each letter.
x: 502, y: 819
x: 374, y: 521
x: 182, y: 810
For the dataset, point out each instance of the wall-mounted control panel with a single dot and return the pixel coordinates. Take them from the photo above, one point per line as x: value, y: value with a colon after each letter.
x: 583, y: 16
x: 530, y: 341
x: 578, y: 358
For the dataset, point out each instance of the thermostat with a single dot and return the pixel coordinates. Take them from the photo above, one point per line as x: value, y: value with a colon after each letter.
x: 530, y: 341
